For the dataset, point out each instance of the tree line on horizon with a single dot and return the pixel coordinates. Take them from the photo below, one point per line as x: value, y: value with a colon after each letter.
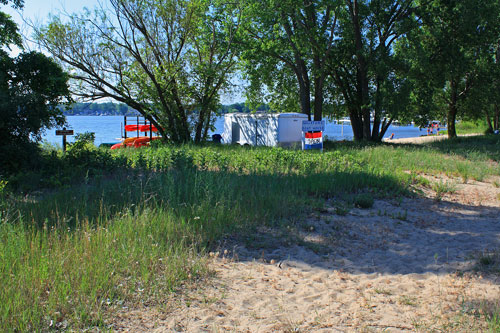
x: 121, y: 109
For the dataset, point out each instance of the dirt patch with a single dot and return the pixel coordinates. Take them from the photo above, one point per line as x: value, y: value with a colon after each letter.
x: 404, y: 264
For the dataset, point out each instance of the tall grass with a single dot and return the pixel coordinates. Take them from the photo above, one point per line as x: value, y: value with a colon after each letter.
x: 71, y: 256
x: 68, y: 257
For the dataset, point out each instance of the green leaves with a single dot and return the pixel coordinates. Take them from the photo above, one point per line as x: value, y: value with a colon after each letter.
x: 447, y: 52
x: 32, y: 87
x: 9, y: 33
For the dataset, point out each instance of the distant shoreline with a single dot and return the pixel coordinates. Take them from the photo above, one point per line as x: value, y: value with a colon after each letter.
x: 100, y: 115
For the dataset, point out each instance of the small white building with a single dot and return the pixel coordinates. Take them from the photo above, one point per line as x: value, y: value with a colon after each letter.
x: 263, y: 129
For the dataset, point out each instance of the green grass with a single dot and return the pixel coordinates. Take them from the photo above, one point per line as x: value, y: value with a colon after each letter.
x: 133, y: 225
x: 467, y: 158
x: 469, y: 127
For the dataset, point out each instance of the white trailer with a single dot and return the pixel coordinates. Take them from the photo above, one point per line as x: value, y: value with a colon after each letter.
x: 263, y: 129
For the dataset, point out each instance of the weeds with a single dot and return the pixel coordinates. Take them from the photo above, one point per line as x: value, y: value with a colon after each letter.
x: 403, y: 216
x: 341, y: 210
x: 408, y: 300
x: 363, y: 200
x: 488, y: 262
x: 131, y: 225
x: 383, y: 292
x: 443, y: 187
x: 79, y: 251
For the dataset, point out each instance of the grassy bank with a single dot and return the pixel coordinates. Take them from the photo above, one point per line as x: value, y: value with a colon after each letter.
x: 133, y: 225
x: 470, y: 127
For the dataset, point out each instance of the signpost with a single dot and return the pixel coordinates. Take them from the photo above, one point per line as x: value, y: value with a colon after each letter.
x: 64, y: 132
x: 313, y: 134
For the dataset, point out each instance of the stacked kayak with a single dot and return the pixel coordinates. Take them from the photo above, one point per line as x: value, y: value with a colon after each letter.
x: 135, y: 142
x: 140, y: 128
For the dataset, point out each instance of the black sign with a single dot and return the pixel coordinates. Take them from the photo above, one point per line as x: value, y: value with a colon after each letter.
x: 64, y: 132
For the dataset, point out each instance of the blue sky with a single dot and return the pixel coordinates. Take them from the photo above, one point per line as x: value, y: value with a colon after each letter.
x: 39, y: 10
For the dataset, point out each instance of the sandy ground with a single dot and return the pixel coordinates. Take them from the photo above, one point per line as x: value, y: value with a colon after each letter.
x: 424, y: 139
x: 406, y: 264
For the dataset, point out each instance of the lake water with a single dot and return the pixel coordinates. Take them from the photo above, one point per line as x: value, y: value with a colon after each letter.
x: 107, y: 129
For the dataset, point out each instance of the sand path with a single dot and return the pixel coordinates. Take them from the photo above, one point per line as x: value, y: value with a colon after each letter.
x: 425, y: 139
x: 403, y: 265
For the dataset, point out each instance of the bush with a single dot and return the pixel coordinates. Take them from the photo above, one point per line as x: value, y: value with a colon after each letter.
x: 32, y: 87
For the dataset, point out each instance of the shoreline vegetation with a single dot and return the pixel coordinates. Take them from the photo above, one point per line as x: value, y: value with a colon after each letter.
x: 140, y: 224
x: 120, y: 109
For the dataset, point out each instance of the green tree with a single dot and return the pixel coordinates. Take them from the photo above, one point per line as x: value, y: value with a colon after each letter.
x: 368, y: 76
x: 169, y: 60
x: 305, y: 53
x: 32, y: 87
x: 448, y: 48
x: 9, y: 33
x: 286, y: 46
x: 483, y: 101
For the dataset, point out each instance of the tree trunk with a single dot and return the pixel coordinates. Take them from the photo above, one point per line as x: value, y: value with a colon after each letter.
x: 452, y: 113
x: 362, y: 73
x: 376, y: 119
x: 304, y: 90
x: 201, y: 120
x: 207, y: 125
x: 496, y: 118
x: 356, y: 124
x: 199, y: 125
x: 385, y: 126
x: 488, y: 121
x: 318, y: 98
x: 452, y: 110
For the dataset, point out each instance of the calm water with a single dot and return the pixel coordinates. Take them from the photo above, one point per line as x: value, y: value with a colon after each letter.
x: 107, y: 129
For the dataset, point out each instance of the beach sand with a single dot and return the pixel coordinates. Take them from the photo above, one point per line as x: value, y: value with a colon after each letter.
x: 406, y: 264
x: 424, y: 139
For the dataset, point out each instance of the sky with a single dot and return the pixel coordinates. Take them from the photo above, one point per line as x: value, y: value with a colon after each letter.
x: 38, y: 11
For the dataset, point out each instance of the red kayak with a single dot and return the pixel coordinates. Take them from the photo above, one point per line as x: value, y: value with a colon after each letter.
x: 137, y: 142
x: 146, y: 128
x: 131, y: 128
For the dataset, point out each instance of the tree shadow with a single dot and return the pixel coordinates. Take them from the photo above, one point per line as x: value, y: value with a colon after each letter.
x: 301, y: 219
x: 403, y: 236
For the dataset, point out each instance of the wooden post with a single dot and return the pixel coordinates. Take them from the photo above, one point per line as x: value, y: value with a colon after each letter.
x: 64, y: 132
x: 64, y: 142
x: 124, y: 125
x: 138, y: 126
